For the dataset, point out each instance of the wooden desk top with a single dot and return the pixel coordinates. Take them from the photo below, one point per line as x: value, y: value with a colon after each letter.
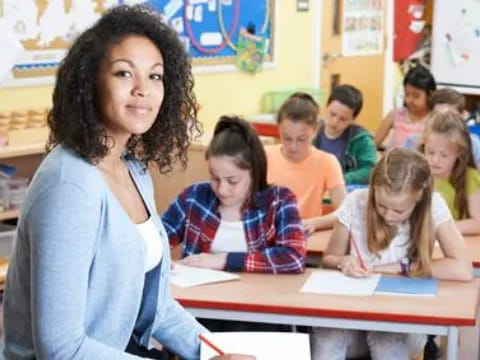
x: 280, y: 294
x: 318, y: 241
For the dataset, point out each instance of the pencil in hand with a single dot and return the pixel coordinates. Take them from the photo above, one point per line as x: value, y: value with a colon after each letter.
x: 211, y: 345
x: 357, y: 251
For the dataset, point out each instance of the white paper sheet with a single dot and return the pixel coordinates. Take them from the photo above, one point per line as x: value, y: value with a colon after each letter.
x: 336, y: 283
x: 264, y: 345
x: 187, y: 276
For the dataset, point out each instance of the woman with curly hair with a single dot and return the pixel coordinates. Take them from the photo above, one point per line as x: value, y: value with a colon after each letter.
x: 88, y: 278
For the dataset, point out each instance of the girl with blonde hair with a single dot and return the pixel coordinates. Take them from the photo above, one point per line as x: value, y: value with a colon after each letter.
x: 448, y: 149
x: 394, y: 225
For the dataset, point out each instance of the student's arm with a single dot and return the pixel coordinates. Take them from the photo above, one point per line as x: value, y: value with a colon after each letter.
x: 179, y: 330
x: 337, y: 194
x: 384, y: 128
x: 319, y: 223
x: 63, y: 224
x: 457, y: 264
x: 334, y: 181
x: 471, y: 226
x: 364, y: 151
x: 335, y: 256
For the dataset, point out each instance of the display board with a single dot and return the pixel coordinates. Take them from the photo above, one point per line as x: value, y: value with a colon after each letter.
x: 208, y: 28
x: 456, y: 44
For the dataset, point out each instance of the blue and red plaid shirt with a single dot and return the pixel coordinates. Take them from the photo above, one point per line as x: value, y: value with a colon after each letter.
x: 273, y: 229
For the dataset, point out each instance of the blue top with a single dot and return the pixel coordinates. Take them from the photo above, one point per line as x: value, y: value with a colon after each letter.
x: 335, y: 146
x: 476, y: 149
x: 76, y: 286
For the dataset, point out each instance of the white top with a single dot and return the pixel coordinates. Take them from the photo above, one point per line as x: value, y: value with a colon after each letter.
x: 353, y: 214
x: 230, y: 237
x: 153, y: 243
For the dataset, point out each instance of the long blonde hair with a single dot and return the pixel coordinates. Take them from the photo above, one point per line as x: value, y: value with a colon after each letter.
x: 400, y: 171
x: 450, y: 124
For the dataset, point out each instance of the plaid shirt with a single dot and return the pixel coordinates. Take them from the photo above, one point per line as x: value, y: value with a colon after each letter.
x: 273, y: 229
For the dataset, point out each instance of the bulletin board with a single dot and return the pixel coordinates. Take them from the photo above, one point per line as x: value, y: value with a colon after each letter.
x: 456, y: 44
x: 208, y: 28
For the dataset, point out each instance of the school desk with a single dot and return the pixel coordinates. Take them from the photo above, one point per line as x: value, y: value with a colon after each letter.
x: 277, y: 299
x: 317, y: 243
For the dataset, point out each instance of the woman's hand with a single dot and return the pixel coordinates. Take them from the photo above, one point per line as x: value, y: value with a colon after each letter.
x: 234, y: 357
x: 351, y: 266
x: 205, y: 260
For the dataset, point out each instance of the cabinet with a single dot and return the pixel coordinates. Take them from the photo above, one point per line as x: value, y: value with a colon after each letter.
x: 167, y: 187
x: 25, y: 158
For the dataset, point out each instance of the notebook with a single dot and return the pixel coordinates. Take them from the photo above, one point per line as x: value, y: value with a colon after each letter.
x: 408, y: 286
x: 187, y: 276
x: 334, y: 282
x: 263, y: 345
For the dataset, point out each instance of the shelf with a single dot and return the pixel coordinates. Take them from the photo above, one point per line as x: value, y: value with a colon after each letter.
x: 9, y: 214
x: 22, y: 150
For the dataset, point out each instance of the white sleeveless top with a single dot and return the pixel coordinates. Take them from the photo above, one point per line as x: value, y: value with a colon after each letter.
x: 230, y: 237
x: 352, y: 213
x: 153, y: 243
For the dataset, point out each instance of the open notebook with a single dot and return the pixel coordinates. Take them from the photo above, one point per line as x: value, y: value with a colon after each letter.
x: 336, y: 283
x: 187, y: 276
x: 263, y: 345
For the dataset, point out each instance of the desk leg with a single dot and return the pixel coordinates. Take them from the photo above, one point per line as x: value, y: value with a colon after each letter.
x: 452, y: 343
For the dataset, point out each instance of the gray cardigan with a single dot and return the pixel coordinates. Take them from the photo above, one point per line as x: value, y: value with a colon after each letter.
x: 76, y: 286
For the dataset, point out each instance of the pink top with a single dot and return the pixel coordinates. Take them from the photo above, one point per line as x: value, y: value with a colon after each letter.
x: 404, y: 128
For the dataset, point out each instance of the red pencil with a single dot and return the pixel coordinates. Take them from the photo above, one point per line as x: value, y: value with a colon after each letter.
x: 209, y: 343
x: 355, y: 247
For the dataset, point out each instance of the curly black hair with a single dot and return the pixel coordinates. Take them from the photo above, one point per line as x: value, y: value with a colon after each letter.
x: 75, y: 120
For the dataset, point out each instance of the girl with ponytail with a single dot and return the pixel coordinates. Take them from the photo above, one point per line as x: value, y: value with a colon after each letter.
x: 237, y: 221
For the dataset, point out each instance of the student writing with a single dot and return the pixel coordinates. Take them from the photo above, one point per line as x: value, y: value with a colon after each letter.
x: 339, y: 135
x: 448, y: 150
x: 295, y: 163
x: 394, y: 224
x: 447, y: 98
x: 237, y: 221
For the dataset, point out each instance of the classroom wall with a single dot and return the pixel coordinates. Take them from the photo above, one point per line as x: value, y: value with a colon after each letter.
x: 229, y: 92
x: 241, y: 93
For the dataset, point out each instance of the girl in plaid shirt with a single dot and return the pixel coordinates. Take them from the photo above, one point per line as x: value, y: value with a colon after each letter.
x: 237, y: 221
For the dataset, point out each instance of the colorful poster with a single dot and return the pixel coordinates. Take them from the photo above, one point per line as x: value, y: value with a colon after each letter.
x: 362, y: 27
x: 45, y: 29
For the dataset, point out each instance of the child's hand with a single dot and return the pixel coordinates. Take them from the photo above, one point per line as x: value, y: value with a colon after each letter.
x: 351, y: 266
x: 309, y: 225
x: 205, y: 260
